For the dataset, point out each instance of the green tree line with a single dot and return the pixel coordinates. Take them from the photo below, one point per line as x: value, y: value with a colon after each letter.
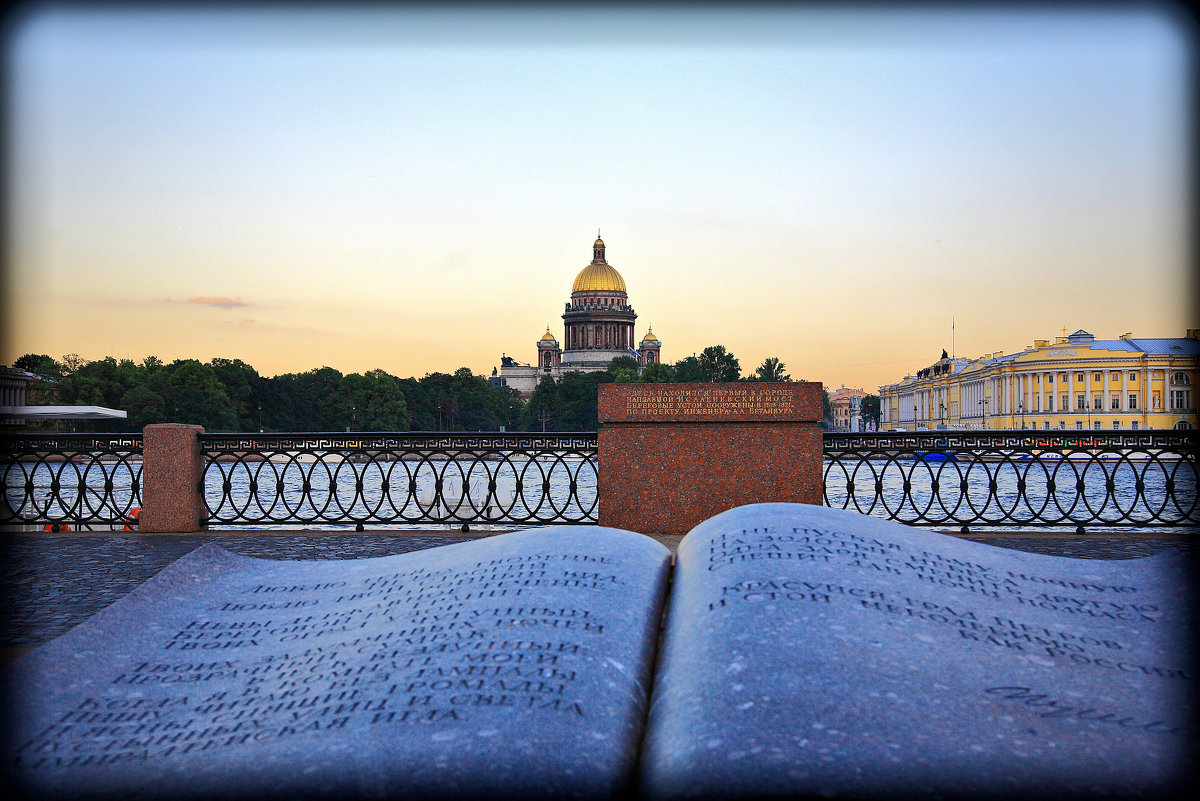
x: 230, y: 395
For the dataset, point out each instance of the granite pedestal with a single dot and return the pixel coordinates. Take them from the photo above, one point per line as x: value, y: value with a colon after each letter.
x: 172, y: 479
x: 672, y: 455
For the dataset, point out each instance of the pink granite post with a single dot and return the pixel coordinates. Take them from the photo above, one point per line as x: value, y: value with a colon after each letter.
x: 674, y: 455
x: 172, y: 479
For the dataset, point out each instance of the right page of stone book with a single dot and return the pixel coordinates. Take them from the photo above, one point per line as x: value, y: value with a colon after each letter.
x: 816, y: 652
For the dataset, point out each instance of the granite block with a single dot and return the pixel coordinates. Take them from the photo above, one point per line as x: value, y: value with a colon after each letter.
x: 673, y: 455
x: 666, y: 478
x: 172, y: 479
x: 509, y: 667
x: 812, y: 652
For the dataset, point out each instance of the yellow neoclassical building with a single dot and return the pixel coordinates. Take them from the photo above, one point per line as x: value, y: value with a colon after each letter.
x: 1076, y: 382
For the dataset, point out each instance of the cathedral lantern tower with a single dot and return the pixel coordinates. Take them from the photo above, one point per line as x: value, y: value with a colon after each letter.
x: 598, y: 321
x: 549, y: 353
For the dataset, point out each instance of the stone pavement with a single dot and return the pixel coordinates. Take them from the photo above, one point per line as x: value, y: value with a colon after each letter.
x: 52, y: 582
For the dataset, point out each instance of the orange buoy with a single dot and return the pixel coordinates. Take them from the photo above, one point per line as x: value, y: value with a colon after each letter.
x: 131, y: 519
x: 56, y: 527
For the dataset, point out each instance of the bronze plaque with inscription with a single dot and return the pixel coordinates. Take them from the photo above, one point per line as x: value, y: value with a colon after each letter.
x: 742, y: 402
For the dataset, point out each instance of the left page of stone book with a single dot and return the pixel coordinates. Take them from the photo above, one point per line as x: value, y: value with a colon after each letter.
x: 512, y: 666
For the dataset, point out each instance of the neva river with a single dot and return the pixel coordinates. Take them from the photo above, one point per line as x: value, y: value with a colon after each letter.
x: 335, y: 493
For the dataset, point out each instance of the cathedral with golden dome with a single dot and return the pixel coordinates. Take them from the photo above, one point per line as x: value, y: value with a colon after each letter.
x: 598, y: 326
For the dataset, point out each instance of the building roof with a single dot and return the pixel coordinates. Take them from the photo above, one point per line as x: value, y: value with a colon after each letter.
x: 599, y: 276
x: 15, y: 373
x: 63, y: 412
x: 650, y: 335
x: 1177, y: 346
x: 1080, y: 337
x: 547, y: 337
x: 1169, y: 347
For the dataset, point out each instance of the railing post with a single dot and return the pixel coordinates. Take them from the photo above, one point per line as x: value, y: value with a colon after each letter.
x: 673, y: 455
x: 172, y: 479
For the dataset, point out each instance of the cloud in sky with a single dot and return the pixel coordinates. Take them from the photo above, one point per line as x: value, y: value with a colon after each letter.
x: 220, y: 303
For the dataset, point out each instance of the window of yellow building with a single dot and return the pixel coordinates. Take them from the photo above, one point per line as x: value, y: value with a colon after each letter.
x: 1097, y: 376
x: 1133, y: 400
x: 1115, y: 402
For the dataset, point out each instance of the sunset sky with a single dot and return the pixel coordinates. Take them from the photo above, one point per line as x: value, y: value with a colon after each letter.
x: 415, y: 189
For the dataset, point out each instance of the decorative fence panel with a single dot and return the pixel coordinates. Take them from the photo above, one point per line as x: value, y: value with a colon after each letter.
x: 1082, y: 479
x: 58, y: 480
x: 307, y: 479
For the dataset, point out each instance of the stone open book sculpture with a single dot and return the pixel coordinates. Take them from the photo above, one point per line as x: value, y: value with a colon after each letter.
x: 805, y: 652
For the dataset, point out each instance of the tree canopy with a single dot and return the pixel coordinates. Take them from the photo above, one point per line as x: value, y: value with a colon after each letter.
x: 230, y: 395
x: 771, y: 370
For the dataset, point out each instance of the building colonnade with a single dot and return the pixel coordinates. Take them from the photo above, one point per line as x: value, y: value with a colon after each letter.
x: 1076, y: 383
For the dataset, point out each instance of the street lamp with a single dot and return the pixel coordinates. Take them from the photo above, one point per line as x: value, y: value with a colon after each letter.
x: 544, y: 415
x: 984, y: 404
x: 1021, y: 411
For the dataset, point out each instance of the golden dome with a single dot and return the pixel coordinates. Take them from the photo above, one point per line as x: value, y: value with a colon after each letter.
x: 599, y: 276
x: 650, y: 336
x: 547, y: 337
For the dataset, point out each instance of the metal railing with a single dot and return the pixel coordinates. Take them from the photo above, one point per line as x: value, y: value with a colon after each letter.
x: 1080, y: 479
x: 69, y: 480
x: 360, y: 479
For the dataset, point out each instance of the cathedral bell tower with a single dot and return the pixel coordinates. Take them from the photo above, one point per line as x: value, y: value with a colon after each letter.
x: 549, y: 353
x: 649, y: 348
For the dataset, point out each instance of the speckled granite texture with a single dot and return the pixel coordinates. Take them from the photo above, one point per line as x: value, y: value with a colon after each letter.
x: 172, y: 472
x: 673, y: 455
x: 514, y: 666
x: 814, y: 653
x: 51, y: 582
